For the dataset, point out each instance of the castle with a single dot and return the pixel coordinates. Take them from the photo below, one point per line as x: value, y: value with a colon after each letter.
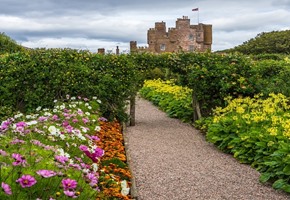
x: 184, y: 37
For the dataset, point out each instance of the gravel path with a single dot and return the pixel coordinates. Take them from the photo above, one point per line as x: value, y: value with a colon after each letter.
x: 171, y: 160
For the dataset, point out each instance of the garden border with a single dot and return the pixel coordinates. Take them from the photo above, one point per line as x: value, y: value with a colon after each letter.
x: 133, y: 188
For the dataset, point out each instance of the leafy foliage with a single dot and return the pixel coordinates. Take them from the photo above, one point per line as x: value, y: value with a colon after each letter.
x: 270, y: 42
x: 256, y: 131
x: 36, y: 78
x: 173, y: 99
x: 8, y: 45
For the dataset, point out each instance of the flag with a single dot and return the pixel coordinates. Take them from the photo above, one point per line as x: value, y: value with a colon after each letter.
x: 195, y: 9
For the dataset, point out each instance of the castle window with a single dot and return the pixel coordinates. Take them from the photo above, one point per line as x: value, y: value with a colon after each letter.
x: 190, y: 37
x: 191, y: 48
x: 162, y: 47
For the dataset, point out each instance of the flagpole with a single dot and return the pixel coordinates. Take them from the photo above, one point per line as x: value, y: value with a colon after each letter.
x: 196, y: 9
x: 197, y: 16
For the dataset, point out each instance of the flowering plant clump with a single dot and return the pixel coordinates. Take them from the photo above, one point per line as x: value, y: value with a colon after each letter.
x: 175, y: 100
x: 53, y: 154
x: 115, y: 175
x: 257, y: 131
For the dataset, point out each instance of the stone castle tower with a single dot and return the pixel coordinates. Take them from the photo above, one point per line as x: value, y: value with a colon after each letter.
x: 184, y: 37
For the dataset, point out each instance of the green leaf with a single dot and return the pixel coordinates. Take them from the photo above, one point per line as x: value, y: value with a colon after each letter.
x: 265, y: 177
x: 260, y: 144
x: 279, y: 184
x: 271, y: 163
x: 286, y: 188
x: 286, y: 170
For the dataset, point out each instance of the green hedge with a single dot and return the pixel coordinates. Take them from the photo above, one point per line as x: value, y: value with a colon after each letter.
x: 37, y: 78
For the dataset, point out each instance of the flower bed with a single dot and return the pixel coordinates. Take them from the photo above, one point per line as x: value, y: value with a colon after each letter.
x: 69, y: 151
x: 256, y: 131
x: 173, y: 99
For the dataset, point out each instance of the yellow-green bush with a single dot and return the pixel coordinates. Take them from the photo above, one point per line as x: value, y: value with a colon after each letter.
x: 173, y: 99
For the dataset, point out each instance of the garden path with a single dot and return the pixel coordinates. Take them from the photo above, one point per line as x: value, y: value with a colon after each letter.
x: 171, y: 160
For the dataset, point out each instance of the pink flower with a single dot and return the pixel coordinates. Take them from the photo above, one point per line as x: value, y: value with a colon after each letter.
x: 21, y: 124
x: 26, y: 181
x: 69, y: 128
x: 69, y: 184
x: 61, y: 159
x: 19, y: 160
x: 92, y: 178
x: 46, y: 173
x: 85, y: 120
x: 75, y: 120
x: 84, y: 148
x: 80, y: 112
x: 76, y: 166
x: 102, y: 119
x: 4, y: 125
x: 55, y: 117
x: 93, y: 137
x: 3, y: 153
x: 42, y: 118
x: 15, y: 141
x: 70, y: 193
x: 65, y: 124
x: 6, y: 188
x: 98, y: 152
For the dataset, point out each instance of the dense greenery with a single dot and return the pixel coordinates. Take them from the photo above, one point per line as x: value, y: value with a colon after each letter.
x: 36, y: 78
x: 175, y: 100
x: 8, y: 45
x: 30, y: 79
x: 270, y: 42
x: 256, y: 131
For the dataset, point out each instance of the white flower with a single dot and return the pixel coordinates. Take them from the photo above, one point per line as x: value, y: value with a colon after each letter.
x: 27, y: 117
x: 31, y: 123
x: 87, y: 104
x: 62, y: 136
x: 125, y: 189
x: 86, y: 171
x: 95, y: 167
x: 99, y: 101
x: 55, y: 101
x: 89, y: 107
x: 38, y: 108
x: 94, y: 98
x: 61, y: 152
x: 98, y: 128
x: 53, y: 130
x: 54, y: 110
x: 73, y: 98
x: 18, y: 115
x: 47, y: 114
x: 62, y: 107
x: 84, y: 129
x: 87, y: 113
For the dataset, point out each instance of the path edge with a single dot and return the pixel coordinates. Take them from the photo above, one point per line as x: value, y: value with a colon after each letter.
x: 133, y: 188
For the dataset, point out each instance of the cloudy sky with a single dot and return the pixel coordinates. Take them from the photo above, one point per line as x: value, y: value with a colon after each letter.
x: 93, y: 24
